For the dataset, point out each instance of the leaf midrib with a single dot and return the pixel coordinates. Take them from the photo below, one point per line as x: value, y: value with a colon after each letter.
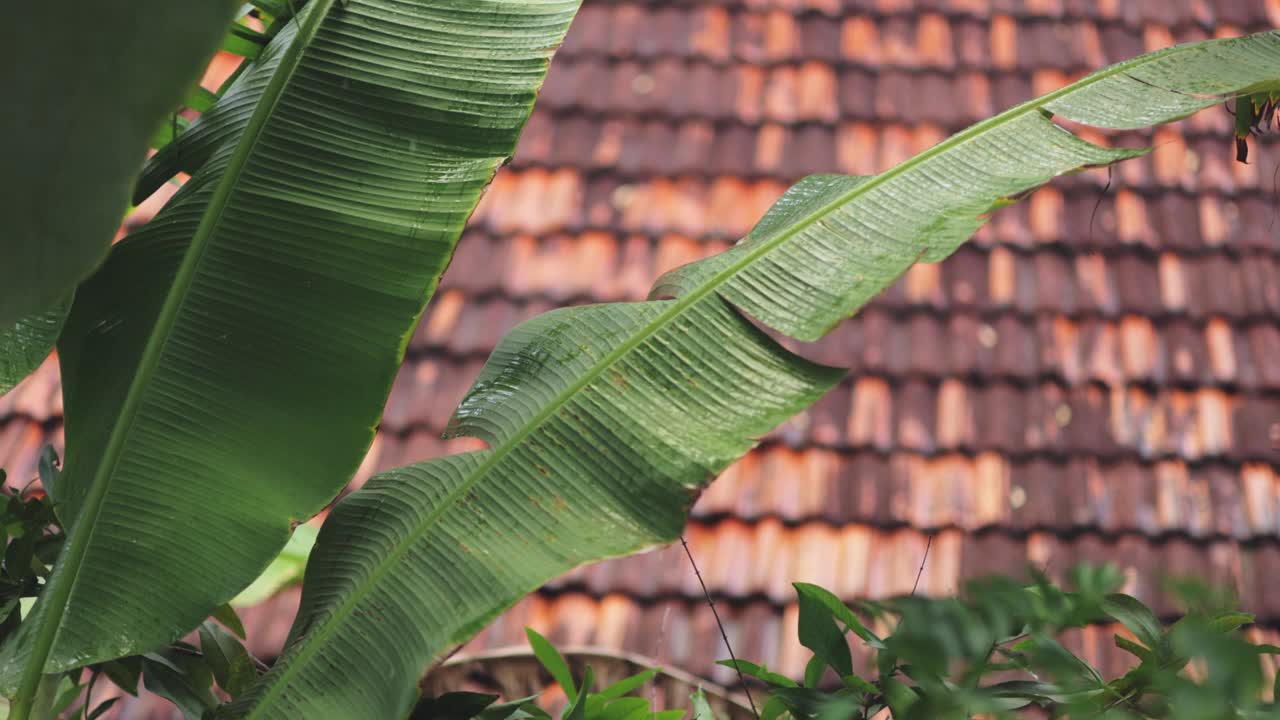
x: 85, y: 524
x: 314, y: 640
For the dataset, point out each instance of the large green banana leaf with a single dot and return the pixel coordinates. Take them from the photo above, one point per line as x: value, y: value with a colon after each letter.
x: 85, y: 86
x: 605, y: 421
x: 26, y: 343
x: 224, y: 371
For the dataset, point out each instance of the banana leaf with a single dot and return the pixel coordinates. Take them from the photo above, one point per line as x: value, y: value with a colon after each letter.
x: 604, y: 422
x: 85, y: 86
x: 224, y: 371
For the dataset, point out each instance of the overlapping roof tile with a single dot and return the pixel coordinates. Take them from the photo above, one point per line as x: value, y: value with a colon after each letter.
x: 1093, y: 378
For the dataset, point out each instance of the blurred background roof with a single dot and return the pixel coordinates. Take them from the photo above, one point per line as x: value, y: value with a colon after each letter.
x: 1095, y: 377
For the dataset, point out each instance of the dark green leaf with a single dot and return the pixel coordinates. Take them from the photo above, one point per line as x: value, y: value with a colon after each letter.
x: 819, y: 633
x: 453, y: 706
x: 274, y: 8
x: 199, y: 99
x: 813, y: 671
x: 523, y: 708
x: 183, y: 685
x: 1138, y: 618
x: 124, y: 673
x: 1225, y: 622
x: 858, y: 684
x: 577, y: 709
x: 49, y: 468
x: 226, y: 615
x: 759, y: 672
x: 265, y: 292
x: 102, y: 708
x: 839, y: 611
x: 804, y: 702
x: 68, y: 692
x: 233, y: 668
x: 773, y: 708
x: 554, y: 663
x: 1129, y: 646
x: 622, y: 709
x: 898, y: 696
x: 627, y: 684
x: 169, y: 130
x: 91, y: 92
x: 237, y: 44
x: 26, y: 341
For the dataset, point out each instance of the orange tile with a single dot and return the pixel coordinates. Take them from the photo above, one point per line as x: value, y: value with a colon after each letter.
x: 769, y: 143
x: 830, y: 8
x: 1157, y: 37
x: 780, y: 36
x: 1213, y: 414
x: 1173, y: 289
x: 860, y: 40
x: 637, y: 269
x: 992, y: 475
x: 1102, y: 362
x: 933, y: 41
x: 1045, y: 8
x: 1225, y: 30
x: 1169, y: 157
x: 896, y: 146
x: 869, y: 423
x: 1066, y: 338
x: 617, y: 614
x: 816, y: 93
x: 1222, y: 356
x: 442, y: 316
x: 975, y: 8
x: 1004, y: 42
x: 781, y: 97
x: 1094, y: 278
x: 897, y: 49
x: 609, y: 147
x: 1046, y: 81
x: 895, y: 7
x: 1091, y: 45
x: 1046, y: 209
x: 925, y: 136
x: 726, y: 203
x: 1139, y: 347
x: 923, y: 284
x: 1213, y: 222
x: 675, y: 251
x: 1000, y: 276
x: 711, y: 33
x: 1261, y: 497
x: 750, y: 82
x: 856, y: 149
x: 219, y: 69
x: 976, y: 94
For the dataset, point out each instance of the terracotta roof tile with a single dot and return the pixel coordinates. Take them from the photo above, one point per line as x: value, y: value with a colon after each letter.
x: 1092, y: 378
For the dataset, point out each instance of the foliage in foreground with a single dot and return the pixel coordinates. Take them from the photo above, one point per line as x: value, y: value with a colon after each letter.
x: 994, y: 652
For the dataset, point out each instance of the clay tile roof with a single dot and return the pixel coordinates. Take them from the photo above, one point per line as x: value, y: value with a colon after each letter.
x: 1093, y: 378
